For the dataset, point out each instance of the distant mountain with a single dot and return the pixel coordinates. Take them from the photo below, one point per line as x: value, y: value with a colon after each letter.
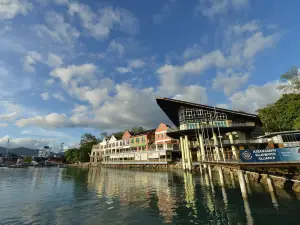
x: 20, y: 151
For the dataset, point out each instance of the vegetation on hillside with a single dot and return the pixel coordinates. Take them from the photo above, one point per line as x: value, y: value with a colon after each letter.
x: 285, y: 113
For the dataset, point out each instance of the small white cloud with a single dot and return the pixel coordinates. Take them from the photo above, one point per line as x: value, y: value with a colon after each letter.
x: 30, y: 60
x: 123, y: 70
x: 65, y: 74
x: 45, y: 96
x: 58, y: 96
x: 51, y: 120
x: 33, y: 143
x: 116, y: 47
x: 49, y: 81
x: 54, y: 60
x: 9, y: 9
x: 10, y: 116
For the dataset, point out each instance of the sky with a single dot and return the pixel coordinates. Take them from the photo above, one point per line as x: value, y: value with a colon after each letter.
x: 69, y: 67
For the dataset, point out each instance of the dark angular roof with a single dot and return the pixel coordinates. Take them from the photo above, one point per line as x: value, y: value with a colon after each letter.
x: 172, y: 106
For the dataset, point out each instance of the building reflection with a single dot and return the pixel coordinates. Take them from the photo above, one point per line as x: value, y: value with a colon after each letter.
x: 136, y: 188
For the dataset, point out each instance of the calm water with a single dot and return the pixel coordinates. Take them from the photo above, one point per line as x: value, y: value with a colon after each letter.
x: 110, y: 196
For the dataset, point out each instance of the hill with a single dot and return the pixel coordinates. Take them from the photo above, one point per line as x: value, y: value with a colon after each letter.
x: 20, y: 151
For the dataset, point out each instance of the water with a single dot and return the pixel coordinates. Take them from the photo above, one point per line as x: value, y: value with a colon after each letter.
x: 110, y: 196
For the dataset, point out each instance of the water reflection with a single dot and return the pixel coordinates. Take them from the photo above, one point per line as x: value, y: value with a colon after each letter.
x: 111, y: 196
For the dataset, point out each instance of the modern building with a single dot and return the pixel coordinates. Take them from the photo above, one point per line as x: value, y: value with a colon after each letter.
x: 211, y: 134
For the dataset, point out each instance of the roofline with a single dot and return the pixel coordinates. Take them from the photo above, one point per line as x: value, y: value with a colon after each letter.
x: 272, y: 134
x: 207, y: 106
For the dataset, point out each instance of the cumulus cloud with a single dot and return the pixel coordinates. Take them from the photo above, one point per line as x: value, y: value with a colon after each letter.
x: 9, y: 9
x: 230, y: 81
x: 54, y: 60
x: 255, y: 97
x: 33, y: 58
x: 9, y: 116
x: 33, y: 143
x: 51, y: 120
x: 57, y: 29
x: 65, y: 74
x: 30, y: 60
x: 99, y: 24
x: 132, y: 64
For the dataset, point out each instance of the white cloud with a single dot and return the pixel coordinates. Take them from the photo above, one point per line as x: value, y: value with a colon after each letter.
x: 57, y: 29
x: 222, y: 105
x: 33, y: 143
x: 255, y: 97
x: 9, y: 9
x: 58, y: 96
x: 230, y: 81
x: 30, y: 60
x: 45, y: 96
x: 211, y: 8
x: 123, y: 69
x: 3, y: 125
x: 193, y: 93
x: 132, y: 64
x: 66, y: 74
x: 258, y: 42
x: 99, y: 24
x: 51, y: 120
x: 116, y: 47
x: 247, y: 27
x: 33, y: 57
x: 9, y: 116
x: 54, y: 60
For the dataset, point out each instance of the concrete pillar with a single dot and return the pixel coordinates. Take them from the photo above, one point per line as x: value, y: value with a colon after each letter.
x: 217, y: 152
x: 233, y: 148
x: 188, y: 153
x: 182, y: 148
x: 272, y: 192
x: 202, y: 150
x: 242, y: 184
x: 221, y: 177
x: 232, y: 179
x: 209, y: 172
x: 247, y: 183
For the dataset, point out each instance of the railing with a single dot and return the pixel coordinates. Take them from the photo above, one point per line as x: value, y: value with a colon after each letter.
x: 292, y: 144
x: 207, y: 126
x: 132, y: 152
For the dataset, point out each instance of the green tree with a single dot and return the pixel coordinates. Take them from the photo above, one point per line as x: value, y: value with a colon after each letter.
x: 136, y: 130
x: 292, y: 79
x: 28, y: 159
x: 86, y: 144
x: 282, y: 115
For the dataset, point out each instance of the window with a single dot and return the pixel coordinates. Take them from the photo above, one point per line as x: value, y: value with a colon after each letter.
x: 117, y: 144
x: 137, y: 140
x: 143, y: 140
x: 198, y: 113
x: 188, y: 114
x: 132, y: 141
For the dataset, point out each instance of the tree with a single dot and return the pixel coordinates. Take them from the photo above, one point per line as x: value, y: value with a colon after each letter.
x: 136, y: 130
x: 282, y: 115
x: 28, y: 159
x: 292, y: 77
x: 103, y: 135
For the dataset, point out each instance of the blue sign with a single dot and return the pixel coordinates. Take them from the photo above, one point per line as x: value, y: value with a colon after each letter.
x: 270, y: 155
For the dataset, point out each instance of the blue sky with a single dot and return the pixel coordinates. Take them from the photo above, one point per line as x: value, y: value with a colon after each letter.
x: 69, y: 67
